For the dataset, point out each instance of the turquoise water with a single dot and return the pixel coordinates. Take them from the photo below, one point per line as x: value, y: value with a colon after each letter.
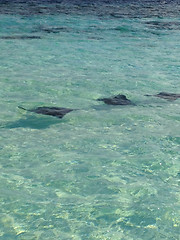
x: 101, y: 172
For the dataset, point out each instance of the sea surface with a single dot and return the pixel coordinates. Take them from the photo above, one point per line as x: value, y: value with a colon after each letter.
x: 102, y: 172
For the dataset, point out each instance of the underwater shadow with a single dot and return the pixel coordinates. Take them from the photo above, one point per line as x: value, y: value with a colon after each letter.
x: 34, y: 122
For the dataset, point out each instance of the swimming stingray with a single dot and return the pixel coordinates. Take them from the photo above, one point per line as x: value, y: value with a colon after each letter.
x: 165, y: 95
x: 52, y: 111
x: 19, y: 37
x: 116, y: 100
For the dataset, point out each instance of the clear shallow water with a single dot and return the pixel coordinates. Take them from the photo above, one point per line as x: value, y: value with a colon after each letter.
x: 101, y: 172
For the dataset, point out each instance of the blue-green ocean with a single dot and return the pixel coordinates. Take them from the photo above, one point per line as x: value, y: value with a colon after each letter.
x: 101, y: 172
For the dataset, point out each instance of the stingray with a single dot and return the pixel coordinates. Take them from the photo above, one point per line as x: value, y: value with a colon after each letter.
x: 52, y: 29
x: 165, y: 95
x: 116, y: 100
x: 52, y: 111
x: 19, y: 37
x: 161, y: 25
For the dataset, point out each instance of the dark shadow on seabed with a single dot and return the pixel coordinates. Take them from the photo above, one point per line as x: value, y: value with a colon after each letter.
x: 34, y: 122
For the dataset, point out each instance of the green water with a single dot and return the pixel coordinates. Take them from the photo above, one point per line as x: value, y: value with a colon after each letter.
x: 101, y: 172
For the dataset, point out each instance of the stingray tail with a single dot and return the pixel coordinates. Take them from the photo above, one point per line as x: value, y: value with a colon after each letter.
x: 22, y: 108
x: 100, y: 99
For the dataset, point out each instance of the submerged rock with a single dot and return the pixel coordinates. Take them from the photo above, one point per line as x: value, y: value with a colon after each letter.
x: 116, y: 100
x: 52, y: 111
x: 165, y: 95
